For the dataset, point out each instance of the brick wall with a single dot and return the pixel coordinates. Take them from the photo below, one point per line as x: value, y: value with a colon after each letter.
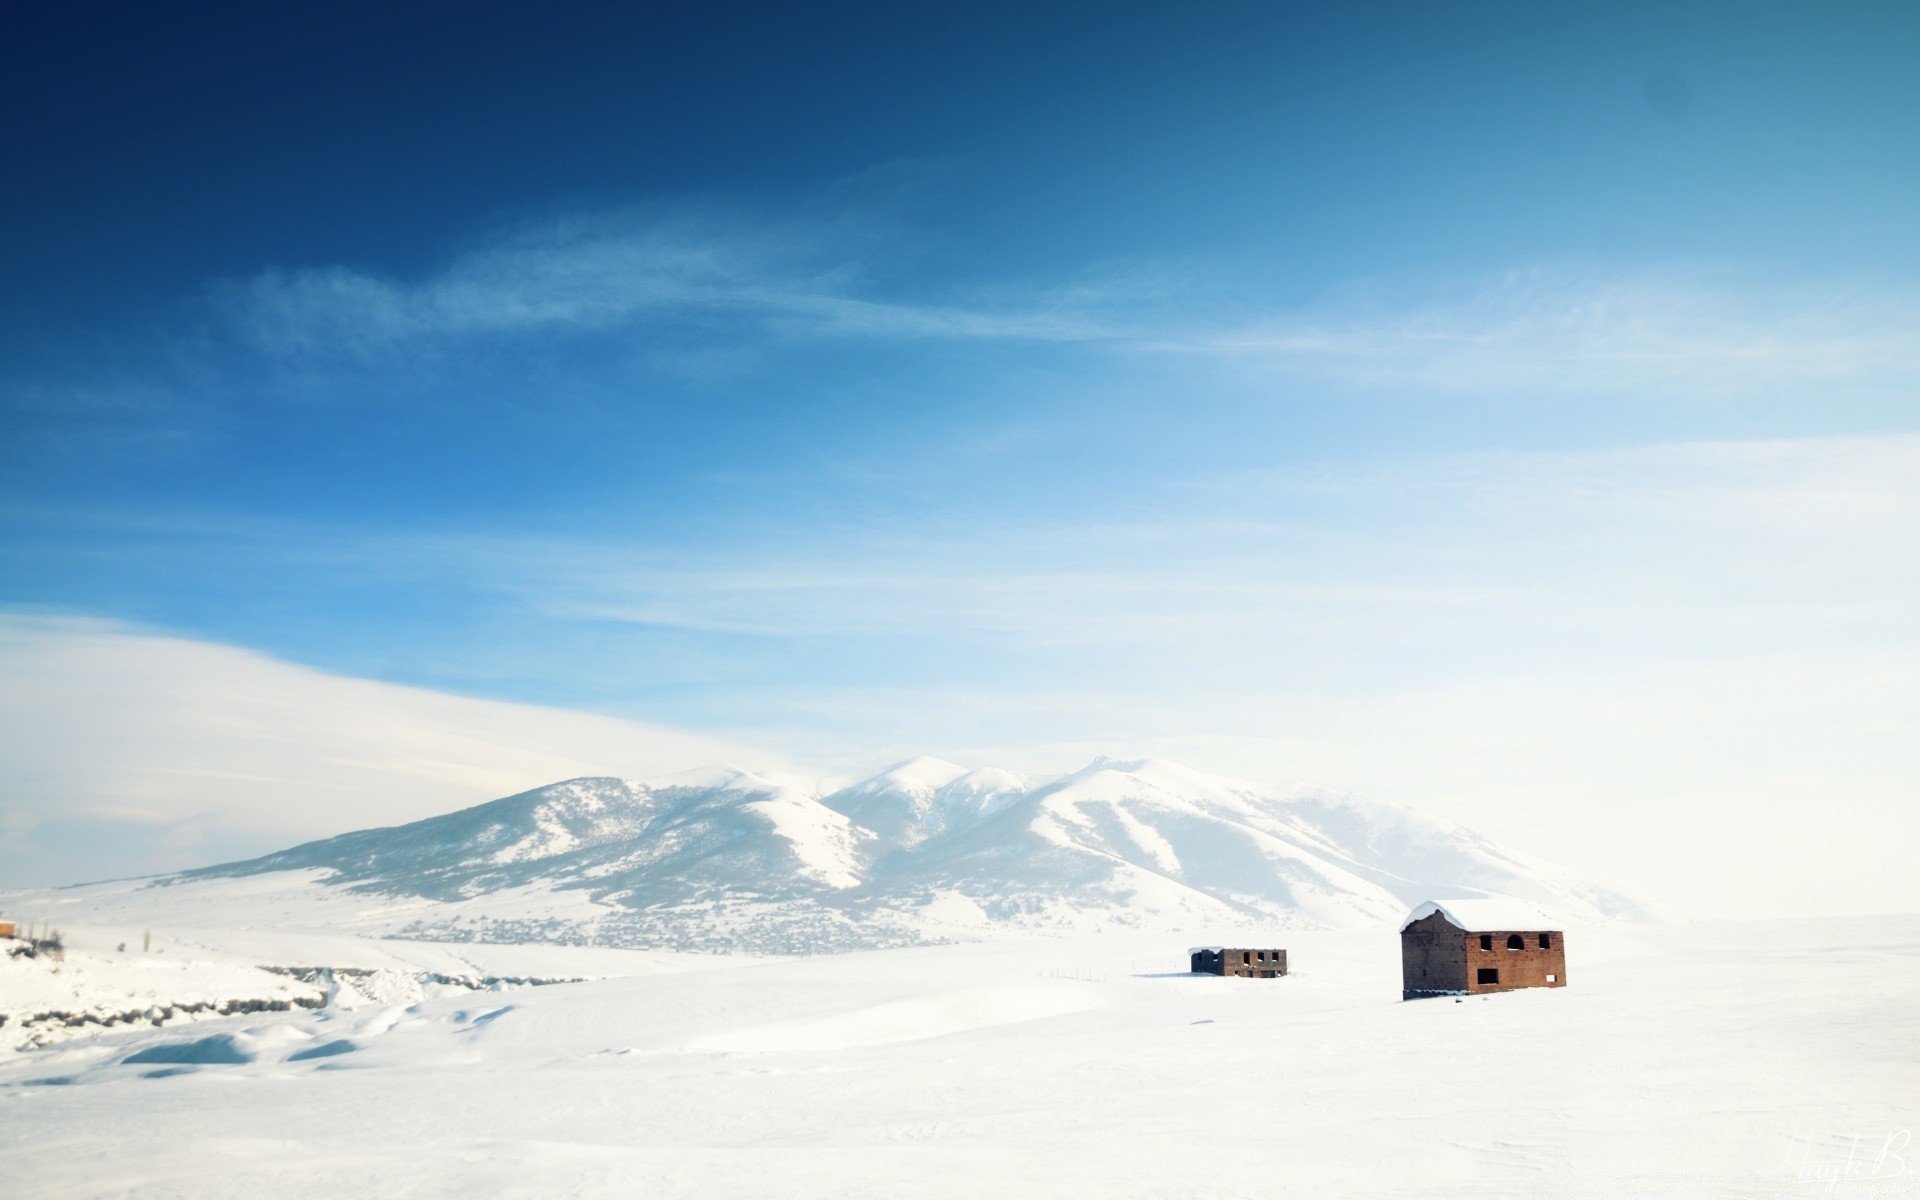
x: 1527, y: 967
x: 1436, y: 957
x: 1255, y: 964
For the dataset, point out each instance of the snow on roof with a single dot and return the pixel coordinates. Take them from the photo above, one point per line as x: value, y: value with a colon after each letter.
x: 1484, y: 914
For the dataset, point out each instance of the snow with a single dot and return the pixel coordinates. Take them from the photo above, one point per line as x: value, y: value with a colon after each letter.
x: 911, y: 1020
x: 728, y: 859
x: 907, y: 803
x: 1484, y: 914
x: 984, y: 780
x: 1091, y: 1066
x: 719, y: 775
x: 39, y: 996
x: 979, y: 793
x: 188, y: 975
x: 923, y: 773
x: 826, y: 844
x: 215, y: 1049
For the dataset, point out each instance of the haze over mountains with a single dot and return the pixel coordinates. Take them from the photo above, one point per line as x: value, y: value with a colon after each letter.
x: 927, y: 851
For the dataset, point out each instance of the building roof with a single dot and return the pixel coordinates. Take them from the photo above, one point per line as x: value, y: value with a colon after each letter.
x: 1484, y: 914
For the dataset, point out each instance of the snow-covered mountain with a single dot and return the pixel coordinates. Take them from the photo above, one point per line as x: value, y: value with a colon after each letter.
x: 924, y: 851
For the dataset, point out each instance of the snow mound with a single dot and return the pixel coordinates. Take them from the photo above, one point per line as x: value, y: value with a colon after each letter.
x: 324, y: 1050
x: 218, y: 1049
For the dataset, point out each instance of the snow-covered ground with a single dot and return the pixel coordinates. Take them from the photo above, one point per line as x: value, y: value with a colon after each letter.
x: 112, y: 976
x: 1736, y: 1059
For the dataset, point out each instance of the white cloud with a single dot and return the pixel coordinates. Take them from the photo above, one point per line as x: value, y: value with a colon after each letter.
x: 123, y: 752
x: 1694, y: 336
x: 1700, y: 336
x: 624, y: 270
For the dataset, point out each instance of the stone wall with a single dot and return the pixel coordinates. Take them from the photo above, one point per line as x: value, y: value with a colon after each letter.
x: 1432, y: 958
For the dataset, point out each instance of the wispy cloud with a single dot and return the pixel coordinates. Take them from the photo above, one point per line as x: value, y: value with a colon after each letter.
x: 611, y: 272
x: 582, y: 305
x: 1698, y: 334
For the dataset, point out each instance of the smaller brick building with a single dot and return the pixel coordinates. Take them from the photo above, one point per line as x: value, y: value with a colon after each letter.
x: 1253, y: 964
x: 1484, y: 944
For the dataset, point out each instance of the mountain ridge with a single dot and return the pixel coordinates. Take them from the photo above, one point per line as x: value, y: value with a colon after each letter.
x: 926, y: 850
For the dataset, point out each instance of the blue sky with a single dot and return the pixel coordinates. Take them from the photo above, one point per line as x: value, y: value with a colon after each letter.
x: 1324, y: 391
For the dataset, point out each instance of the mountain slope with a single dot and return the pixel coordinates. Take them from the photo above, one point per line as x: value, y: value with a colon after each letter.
x: 924, y: 851
x: 1137, y: 843
x: 674, y: 840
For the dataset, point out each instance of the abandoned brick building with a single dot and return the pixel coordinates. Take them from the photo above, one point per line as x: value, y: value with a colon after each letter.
x: 1467, y: 947
x: 1253, y: 964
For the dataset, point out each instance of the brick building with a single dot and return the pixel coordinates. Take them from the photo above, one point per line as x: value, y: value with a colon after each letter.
x: 1253, y: 964
x: 1487, y: 944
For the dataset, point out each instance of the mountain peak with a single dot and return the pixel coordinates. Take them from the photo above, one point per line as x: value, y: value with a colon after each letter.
x: 922, y: 772
x: 722, y: 776
x: 899, y: 804
x: 726, y: 857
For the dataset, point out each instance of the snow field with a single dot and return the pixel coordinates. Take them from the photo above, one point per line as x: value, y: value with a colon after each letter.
x: 1719, y: 1060
x: 189, y: 975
